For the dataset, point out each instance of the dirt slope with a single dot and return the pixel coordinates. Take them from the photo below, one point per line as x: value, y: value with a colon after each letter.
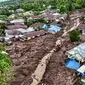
x: 57, y: 73
x: 26, y: 56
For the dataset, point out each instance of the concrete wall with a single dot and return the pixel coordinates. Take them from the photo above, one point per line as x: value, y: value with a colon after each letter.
x: 83, y: 32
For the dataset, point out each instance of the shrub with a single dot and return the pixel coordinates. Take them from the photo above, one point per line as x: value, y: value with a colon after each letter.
x: 6, y: 72
x: 38, y: 28
x: 2, y: 47
x: 2, y: 29
x: 74, y: 35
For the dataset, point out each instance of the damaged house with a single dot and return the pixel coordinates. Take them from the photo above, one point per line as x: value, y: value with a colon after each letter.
x: 38, y: 24
x: 81, y: 27
x: 14, y: 30
x: 77, y: 53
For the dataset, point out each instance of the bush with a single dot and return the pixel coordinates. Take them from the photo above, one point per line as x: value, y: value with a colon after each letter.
x: 74, y: 35
x: 38, y: 29
x: 2, y: 29
x: 3, y: 17
x: 2, y: 47
x: 6, y: 72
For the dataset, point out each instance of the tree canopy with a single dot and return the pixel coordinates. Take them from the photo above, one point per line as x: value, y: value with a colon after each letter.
x: 74, y: 35
x: 39, y: 5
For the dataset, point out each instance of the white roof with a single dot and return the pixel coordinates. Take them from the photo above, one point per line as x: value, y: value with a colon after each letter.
x: 81, y: 69
x: 4, y: 52
x: 17, y: 21
x: 57, y: 20
x: 30, y: 29
x: 20, y: 10
x: 57, y: 14
x: 1, y: 21
x: 62, y: 18
x: 27, y: 13
x: 21, y: 30
x: 8, y: 37
x: 77, y: 52
x: 12, y: 16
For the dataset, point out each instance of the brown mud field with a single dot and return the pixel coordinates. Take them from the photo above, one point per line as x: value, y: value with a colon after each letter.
x: 27, y: 55
x: 56, y: 72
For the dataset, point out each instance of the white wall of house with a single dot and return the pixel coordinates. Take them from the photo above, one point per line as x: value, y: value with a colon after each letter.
x: 83, y: 32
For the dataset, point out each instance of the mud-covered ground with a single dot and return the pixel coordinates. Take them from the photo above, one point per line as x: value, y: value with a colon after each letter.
x: 57, y: 73
x: 27, y: 55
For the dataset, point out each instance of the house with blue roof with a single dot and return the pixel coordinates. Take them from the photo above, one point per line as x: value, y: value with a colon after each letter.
x: 54, y: 29
x: 44, y: 26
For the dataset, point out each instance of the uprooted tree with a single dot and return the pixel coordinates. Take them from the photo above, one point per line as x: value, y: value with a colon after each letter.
x: 74, y: 35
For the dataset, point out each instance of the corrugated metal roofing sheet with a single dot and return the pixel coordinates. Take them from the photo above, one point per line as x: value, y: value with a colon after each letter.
x: 78, y: 52
x: 72, y: 64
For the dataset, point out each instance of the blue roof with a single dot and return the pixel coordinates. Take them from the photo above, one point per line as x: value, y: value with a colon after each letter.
x: 44, y: 26
x: 73, y: 64
x: 54, y: 29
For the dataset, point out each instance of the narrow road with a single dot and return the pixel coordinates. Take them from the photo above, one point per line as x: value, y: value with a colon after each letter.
x: 41, y: 68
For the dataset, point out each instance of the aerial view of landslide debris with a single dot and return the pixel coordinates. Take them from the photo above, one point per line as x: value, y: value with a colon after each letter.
x: 26, y: 55
x: 39, y: 39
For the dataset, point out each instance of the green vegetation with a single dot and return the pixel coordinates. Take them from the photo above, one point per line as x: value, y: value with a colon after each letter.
x: 40, y: 5
x: 29, y: 22
x: 2, y: 29
x: 74, y: 35
x: 3, y: 17
x: 6, y: 72
x: 41, y: 20
x: 38, y: 28
x: 2, y: 47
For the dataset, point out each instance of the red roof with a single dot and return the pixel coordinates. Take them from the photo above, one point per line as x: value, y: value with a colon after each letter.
x: 35, y: 17
x: 81, y: 26
x: 12, y: 27
x: 14, y: 32
x: 36, y: 33
x: 49, y: 17
x: 36, y: 24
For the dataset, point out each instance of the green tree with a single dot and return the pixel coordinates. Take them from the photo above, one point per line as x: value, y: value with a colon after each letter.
x: 38, y: 28
x: 74, y: 35
x: 2, y: 29
x: 2, y: 47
